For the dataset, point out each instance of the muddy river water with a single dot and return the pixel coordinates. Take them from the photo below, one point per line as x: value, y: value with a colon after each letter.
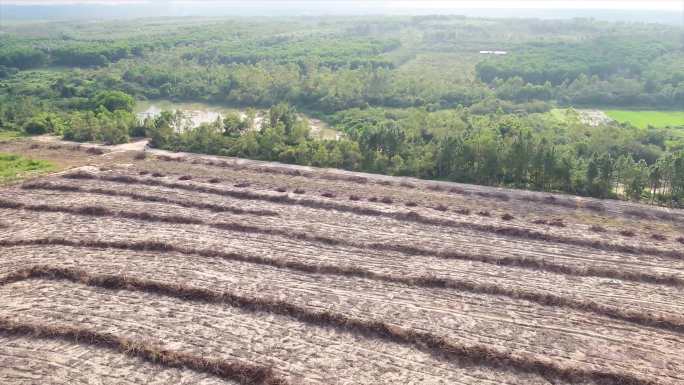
x: 198, y: 113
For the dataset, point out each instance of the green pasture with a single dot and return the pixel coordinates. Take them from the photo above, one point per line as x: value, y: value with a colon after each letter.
x: 643, y: 119
x: 13, y: 167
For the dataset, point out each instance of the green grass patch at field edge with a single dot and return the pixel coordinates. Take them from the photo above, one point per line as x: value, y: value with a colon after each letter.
x: 14, y: 167
x: 643, y: 119
x: 9, y: 135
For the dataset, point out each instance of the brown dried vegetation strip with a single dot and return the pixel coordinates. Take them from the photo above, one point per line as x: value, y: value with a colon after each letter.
x: 146, y: 198
x: 551, y: 200
x: 509, y: 231
x: 154, y: 353
x: 495, y: 195
x: 519, y: 262
x: 440, y: 347
x: 673, y: 323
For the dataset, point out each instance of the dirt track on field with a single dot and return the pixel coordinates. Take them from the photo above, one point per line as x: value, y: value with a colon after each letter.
x: 409, y: 283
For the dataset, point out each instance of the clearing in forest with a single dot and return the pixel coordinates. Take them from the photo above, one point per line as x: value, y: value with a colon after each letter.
x: 155, y: 269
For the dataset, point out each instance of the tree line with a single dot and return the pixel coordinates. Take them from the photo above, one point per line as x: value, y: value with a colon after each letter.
x: 498, y: 150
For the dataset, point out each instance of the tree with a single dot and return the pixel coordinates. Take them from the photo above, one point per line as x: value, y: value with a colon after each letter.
x: 83, y: 127
x: 160, y: 132
x: 113, y: 100
x: 36, y: 126
x: 234, y: 125
x: 519, y: 158
x: 638, y: 180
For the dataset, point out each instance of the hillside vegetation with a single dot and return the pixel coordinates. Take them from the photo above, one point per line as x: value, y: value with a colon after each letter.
x: 412, y: 95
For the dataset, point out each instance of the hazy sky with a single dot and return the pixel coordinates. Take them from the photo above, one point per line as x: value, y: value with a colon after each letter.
x: 674, y: 5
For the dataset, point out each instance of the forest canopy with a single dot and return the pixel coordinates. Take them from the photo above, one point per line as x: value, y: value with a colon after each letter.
x: 423, y: 96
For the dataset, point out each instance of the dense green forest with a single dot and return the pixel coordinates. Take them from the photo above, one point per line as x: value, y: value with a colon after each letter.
x: 411, y: 95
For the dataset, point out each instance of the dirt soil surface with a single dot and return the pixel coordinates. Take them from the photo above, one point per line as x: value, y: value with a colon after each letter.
x: 148, y: 267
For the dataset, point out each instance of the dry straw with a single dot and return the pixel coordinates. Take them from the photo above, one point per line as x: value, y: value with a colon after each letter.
x: 508, y: 231
x: 438, y: 346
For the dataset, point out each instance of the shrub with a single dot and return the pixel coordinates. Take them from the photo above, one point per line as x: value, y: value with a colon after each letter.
x: 4, y: 204
x: 373, y: 199
x: 80, y: 175
x: 458, y: 190
x: 540, y: 222
x: 680, y: 240
x: 597, y: 229
x: 144, y: 172
x: 299, y: 191
x: 386, y: 200
x: 328, y: 194
x: 627, y: 233
x: 484, y: 213
x: 95, y: 151
x: 242, y: 184
x: 157, y: 175
x: 281, y: 189
x: 557, y: 222
x: 354, y: 197
x: 659, y: 237
x: 113, y: 100
x: 140, y: 155
x: 407, y: 184
x: 36, y: 127
x: 462, y: 211
x: 214, y: 180
x: 507, y: 217
x: 411, y: 204
x: 441, y: 207
x: 94, y: 211
x: 494, y: 195
x: 435, y: 187
x: 185, y: 177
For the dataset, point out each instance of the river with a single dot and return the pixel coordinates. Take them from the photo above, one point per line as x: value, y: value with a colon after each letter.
x: 198, y: 113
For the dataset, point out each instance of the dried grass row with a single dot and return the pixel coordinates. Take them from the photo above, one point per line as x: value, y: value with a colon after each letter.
x: 673, y: 323
x: 151, y: 352
x: 267, y: 169
x: 556, y: 222
x: 147, y: 198
x: 101, y: 211
x: 519, y: 262
x: 508, y: 231
x: 71, y: 147
x: 643, y: 213
x: 496, y: 195
x: 440, y: 347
